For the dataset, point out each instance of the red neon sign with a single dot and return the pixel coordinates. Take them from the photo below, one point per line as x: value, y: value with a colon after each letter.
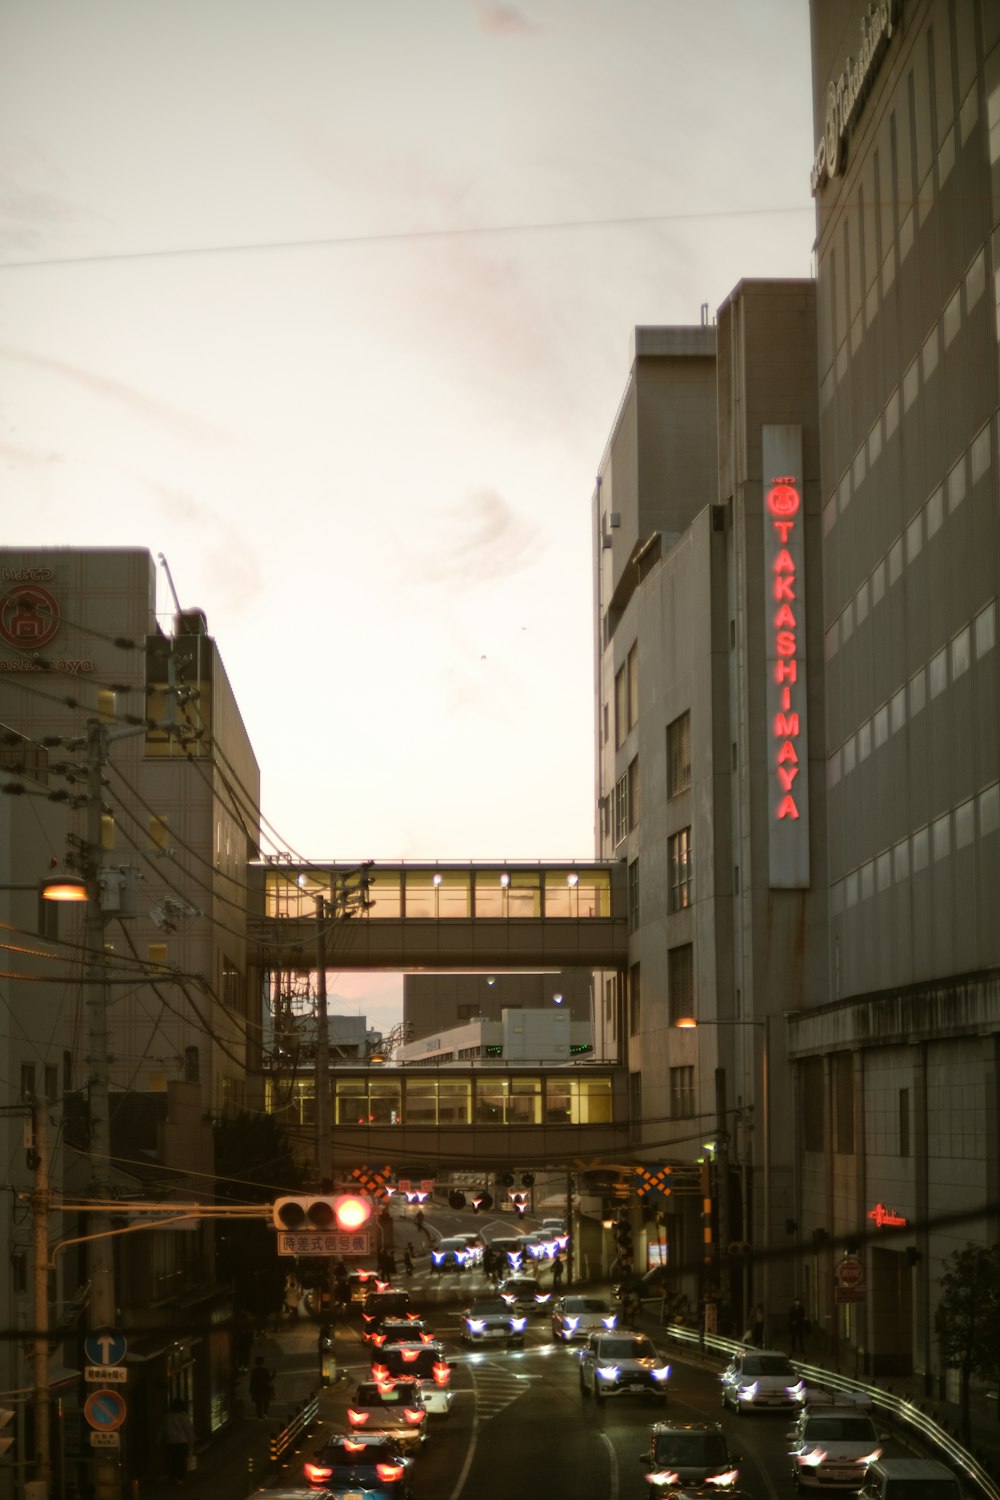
x: 883, y: 1216
x: 784, y: 504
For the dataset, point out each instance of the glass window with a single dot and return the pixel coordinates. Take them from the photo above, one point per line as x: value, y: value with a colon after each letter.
x: 861, y: 603
x: 941, y: 836
x: 385, y: 1101
x: 682, y: 1105
x: 833, y: 769
x: 934, y: 511
x: 867, y: 879
x: 847, y: 622
x: 892, y: 412
x: 832, y: 640
x: 911, y: 385
x: 975, y: 281
x: 865, y: 740
x: 930, y: 353
x: 901, y: 860
x: 952, y: 319
x: 421, y: 1101
x: 859, y: 467
x: 989, y: 810
x: 844, y: 490
x: 896, y: 560
x: 633, y: 895
x: 881, y: 725
x: 680, y: 982
x: 632, y: 666
x: 980, y: 453
x: 681, y: 870
x: 385, y: 892
x: 634, y: 1000
x: 875, y: 441
x: 351, y: 1101
x: 436, y: 893
x: 633, y: 792
x: 455, y: 1101
x: 621, y: 706
x: 920, y: 845
x: 850, y: 755
x: 621, y: 808
x: 914, y: 536
x: 679, y: 755
x: 851, y: 889
x: 878, y: 581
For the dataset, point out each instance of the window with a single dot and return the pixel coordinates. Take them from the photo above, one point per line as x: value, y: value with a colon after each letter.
x: 634, y: 1001
x: 621, y: 808
x: 633, y: 895
x: 682, y: 1093
x: 680, y: 982
x: 635, y: 1098
x: 232, y: 986
x: 632, y: 668
x: 681, y: 869
x: 679, y: 755
x: 633, y: 792
x: 813, y: 1103
x: 621, y: 707
x: 843, y: 1082
x: 27, y: 1080
x: 904, y: 1122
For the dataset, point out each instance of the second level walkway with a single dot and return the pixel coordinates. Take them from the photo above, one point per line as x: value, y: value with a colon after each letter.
x: 426, y: 915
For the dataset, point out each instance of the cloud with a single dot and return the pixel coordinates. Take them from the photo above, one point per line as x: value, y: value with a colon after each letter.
x: 164, y: 413
x: 482, y: 541
x: 235, y: 568
x: 505, y: 20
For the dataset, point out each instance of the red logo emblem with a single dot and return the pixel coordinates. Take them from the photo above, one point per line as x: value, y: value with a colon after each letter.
x: 29, y: 616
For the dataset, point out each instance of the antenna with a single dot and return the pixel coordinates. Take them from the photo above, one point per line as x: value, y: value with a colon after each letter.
x: 166, y: 568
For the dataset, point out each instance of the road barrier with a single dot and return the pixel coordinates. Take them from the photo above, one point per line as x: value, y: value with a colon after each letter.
x: 299, y: 1425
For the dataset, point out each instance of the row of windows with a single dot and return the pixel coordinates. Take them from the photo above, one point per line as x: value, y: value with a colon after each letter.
x: 453, y: 893
x: 950, y: 663
x: 822, y: 1079
x: 908, y: 545
x: 422, y: 1100
x: 680, y: 891
x: 954, y: 830
x: 627, y: 697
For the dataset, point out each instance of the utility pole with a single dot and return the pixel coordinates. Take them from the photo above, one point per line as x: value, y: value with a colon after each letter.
x: 40, y: 1199
x: 324, y: 1145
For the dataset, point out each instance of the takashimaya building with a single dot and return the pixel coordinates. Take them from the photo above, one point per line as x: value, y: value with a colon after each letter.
x: 897, y: 1074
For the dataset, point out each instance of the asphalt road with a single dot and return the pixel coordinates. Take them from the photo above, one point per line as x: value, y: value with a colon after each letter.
x: 519, y: 1425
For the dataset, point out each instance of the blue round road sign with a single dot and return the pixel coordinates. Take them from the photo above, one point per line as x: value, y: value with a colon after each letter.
x: 104, y: 1410
x: 105, y: 1348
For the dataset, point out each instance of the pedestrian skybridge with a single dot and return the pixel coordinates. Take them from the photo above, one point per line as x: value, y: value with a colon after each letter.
x: 492, y: 916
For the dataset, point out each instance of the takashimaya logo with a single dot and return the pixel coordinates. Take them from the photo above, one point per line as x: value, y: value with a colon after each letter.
x: 29, y: 617
x: 845, y: 95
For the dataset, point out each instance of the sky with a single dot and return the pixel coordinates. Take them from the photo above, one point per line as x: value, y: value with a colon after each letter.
x: 330, y: 303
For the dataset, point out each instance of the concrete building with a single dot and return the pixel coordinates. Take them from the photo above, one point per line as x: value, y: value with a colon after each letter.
x: 710, y: 754
x: 137, y: 773
x: 434, y: 1003
x: 520, y: 1036
x: 897, y: 1074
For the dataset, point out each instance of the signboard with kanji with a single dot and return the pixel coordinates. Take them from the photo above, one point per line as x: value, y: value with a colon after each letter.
x: 315, y: 1242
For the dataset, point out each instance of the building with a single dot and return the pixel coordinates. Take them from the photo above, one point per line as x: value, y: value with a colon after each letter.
x: 897, y: 1074
x: 710, y: 758
x: 521, y: 1035
x: 434, y: 1003
x: 137, y: 774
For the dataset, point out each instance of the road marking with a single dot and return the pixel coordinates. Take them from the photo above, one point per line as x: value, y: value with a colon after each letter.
x: 612, y: 1466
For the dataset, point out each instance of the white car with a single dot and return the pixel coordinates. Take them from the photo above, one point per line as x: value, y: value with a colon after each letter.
x: 761, y: 1380
x: 577, y: 1317
x: 389, y: 1405
x: 833, y: 1447
x: 622, y: 1364
x: 490, y: 1320
x: 525, y: 1294
x: 422, y: 1361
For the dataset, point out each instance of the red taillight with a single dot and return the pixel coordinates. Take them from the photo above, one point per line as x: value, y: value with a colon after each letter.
x: 413, y: 1317
x: 389, y: 1472
x: 427, y: 1338
x: 378, y: 1339
x: 318, y: 1473
x: 385, y: 1386
x: 409, y: 1355
x: 350, y: 1447
x: 413, y: 1417
x: 442, y: 1373
x: 357, y: 1418
x: 380, y: 1372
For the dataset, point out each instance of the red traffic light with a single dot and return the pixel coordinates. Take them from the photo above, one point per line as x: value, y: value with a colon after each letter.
x: 344, y: 1211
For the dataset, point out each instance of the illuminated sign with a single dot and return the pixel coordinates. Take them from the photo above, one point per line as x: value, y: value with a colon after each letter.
x: 845, y: 95
x: 883, y: 1217
x: 785, y: 655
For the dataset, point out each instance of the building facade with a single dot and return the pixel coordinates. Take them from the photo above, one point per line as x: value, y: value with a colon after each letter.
x: 897, y: 1073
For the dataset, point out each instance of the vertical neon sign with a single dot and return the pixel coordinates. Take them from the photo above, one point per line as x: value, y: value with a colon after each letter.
x: 785, y: 654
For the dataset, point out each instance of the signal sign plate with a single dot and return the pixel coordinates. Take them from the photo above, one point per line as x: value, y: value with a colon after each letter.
x: 314, y: 1242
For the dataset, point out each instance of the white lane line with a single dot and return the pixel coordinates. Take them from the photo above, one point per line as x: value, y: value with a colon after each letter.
x: 613, y: 1466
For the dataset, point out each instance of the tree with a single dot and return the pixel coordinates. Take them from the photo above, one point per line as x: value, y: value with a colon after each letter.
x: 253, y: 1164
x: 967, y: 1319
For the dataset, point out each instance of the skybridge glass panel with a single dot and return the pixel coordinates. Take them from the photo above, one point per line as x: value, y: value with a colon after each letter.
x: 421, y: 1101
x: 578, y: 1100
x: 288, y: 895
x: 385, y: 1101
x: 524, y: 894
x: 437, y: 893
x: 524, y: 1102
x: 351, y: 1101
x: 491, y: 893
x: 386, y: 894
x: 455, y: 1101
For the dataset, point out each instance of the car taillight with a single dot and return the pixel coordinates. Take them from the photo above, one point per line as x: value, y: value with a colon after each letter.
x: 427, y: 1338
x: 409, y: 1355
x: 389, y: 1472
x: 380, y: 1372
x: 385, y: 1386
x: 378, y: 1339
x: 318, y: 1473
x: 442, y: 1373
x: 413, y: 1416
x: 357, y: 1418
x: 724, y: 1480
x: 413, y: 1317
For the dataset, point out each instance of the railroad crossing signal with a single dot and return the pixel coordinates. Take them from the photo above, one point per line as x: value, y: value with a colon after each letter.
x: 653, y: 1182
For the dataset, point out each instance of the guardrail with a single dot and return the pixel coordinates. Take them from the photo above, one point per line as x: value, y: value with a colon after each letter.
x: 899, y: 1408
x: 298, y: 1426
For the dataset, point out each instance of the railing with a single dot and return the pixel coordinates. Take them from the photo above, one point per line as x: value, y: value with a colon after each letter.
x: 899, y: 1408
x: 298, y: 1426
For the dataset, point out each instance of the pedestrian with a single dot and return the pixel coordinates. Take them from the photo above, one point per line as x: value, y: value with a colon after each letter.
x: 418, y: 1220
x: 756, y: 1333
x: 557, y: 1273
x: 261, y: 1387
x: 408, y: 1260
x: 798, y: 1326
x: 177, y: 1437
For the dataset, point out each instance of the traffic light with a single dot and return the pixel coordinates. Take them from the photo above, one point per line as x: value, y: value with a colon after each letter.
x: 344, y: 1211
x: 520, y: 1202
x: 527, y: 1179
x: 482, y: 1201
x: 505, y: 1179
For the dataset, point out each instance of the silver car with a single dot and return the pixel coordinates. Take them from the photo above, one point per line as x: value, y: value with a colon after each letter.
x: 577, y: 1317
x: 832, y: 1448
x: 622, y: 1364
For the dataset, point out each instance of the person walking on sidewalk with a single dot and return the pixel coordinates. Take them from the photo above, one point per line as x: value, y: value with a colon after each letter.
x: 408, y: 1260
x: 177, y: 1437
x: 557, y: 1274
x: 261, y: 1387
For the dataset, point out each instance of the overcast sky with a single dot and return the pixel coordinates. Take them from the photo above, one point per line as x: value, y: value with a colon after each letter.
x: 330, y: 302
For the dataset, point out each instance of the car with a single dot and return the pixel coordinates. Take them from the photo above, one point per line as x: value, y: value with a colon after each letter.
x: 525, y: 1294
x: 509, y: 1251
x: 910, y: 1479
x: 761, y: 1380
x: 387, y: 1302
x: 476, y: 1246
x: 393, y: 1405
x: 451, y: 1254
x: 492, y: 1319
x: 359, y: 1283
x: 575, y: 1317
x: 392, y: 1329
x: 556, y: 1230
x: 423, y: 1362
x: 537, y: 1246
x: 683, y: 1454
x: 832, y: 1448
x: 370, y: 1463
x: 622, y: 1364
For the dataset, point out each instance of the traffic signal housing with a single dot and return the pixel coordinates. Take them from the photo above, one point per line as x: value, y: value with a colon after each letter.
x: 301, y: 1214
x: 456, y: 1199
x: 481, y: 1202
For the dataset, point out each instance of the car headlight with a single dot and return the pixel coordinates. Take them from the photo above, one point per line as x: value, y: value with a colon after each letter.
x: 797, y: 1391
x: 475, y: 1325
x: 542, y: 1297
x: 608, y: 1372
x: 724, y: 1480
x: 747, y: 1392
x: 661, y: 1373
x: 869, y: 1458
x: 437, y: 1257
x: 518, y: 1325
x: 610, y: 1322
x: 663, y: 1477
x: 570, y: 1323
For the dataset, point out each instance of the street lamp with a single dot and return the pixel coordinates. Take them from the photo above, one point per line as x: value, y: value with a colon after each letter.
x: 690, y: 1023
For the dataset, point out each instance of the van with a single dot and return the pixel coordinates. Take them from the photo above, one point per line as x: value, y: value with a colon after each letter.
x: 910, y: 1479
